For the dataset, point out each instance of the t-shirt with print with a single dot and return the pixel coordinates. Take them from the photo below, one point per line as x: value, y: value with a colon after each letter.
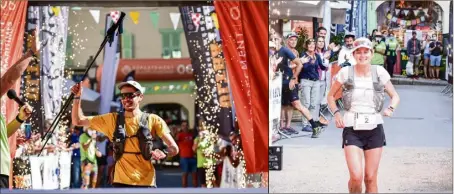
x: 131, y: 169
x: 185, y: 141
x: 437, y: 50
x: 5, y: 157
x: 363, y: 95
x: 89, y: 153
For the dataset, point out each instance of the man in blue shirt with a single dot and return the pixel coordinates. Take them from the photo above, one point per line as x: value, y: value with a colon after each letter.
x: 290, y: 97
x: 75, y: 159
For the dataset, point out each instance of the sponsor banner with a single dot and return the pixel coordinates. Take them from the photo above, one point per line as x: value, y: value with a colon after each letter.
x: 208, y: 63
x: 54, y: 29
x: 31, y: 79
x: 242, y: 26
x: 275, y: 105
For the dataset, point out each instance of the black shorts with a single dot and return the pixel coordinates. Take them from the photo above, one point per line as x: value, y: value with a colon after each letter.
x: 364, y: 139
x: 289, y: 96
x: 102, y: 161
x: 201, y: 173
x: 4, y: 181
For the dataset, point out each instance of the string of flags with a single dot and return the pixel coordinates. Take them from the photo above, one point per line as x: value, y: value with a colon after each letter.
x: 419, y: 13
x: 135, y: 16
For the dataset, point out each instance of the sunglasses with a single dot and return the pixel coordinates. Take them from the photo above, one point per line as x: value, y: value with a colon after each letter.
x: 129, y: 95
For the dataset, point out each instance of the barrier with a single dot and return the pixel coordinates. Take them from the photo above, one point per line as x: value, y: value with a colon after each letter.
x: 45, y: 172
x: 275, y: 86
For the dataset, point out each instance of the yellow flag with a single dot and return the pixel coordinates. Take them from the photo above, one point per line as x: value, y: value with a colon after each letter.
x: 134, y: 16
x: 215, y: 20
x: 56, y: 10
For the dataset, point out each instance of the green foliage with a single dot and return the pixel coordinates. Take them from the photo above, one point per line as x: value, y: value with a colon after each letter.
x: 303, y: 36
x: 338, y: 40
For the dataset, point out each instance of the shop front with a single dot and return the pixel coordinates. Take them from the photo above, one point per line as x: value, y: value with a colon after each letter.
x: 427, y: 18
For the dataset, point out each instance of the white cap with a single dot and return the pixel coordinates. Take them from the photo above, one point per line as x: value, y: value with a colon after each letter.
x: 361, y: 43
x: 134, y: 84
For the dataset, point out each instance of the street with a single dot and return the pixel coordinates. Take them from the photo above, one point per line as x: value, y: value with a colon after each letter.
x: 417, y: 158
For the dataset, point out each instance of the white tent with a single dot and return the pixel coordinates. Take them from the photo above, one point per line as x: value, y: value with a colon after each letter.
x: 306, y: 10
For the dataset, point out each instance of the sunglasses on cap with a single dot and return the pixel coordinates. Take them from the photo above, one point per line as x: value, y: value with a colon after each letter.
x: 129, y: 95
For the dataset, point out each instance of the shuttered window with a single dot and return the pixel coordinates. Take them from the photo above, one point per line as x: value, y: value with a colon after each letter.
x: 171, y: 42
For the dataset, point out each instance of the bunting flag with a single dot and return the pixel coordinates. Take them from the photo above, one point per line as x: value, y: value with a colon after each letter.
x: 423, y: 19
x: 413, y: 22
x: 95, y: 14
x: 134, y: 16
x: 115, y: 15
x: 408, y: 22
x: 415, y: 11
x: 426, y: 10
x: 394, y: 19
x: 55, y: 10
x: 397, y: 11
x: 406, y: 12
x: 175, y: 17
x: 154, y: 16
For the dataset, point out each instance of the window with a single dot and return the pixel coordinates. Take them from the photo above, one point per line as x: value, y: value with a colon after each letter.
x: 127, y: 45
x: 171, y: 43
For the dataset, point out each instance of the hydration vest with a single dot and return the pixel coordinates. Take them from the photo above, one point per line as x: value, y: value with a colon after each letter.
x: 143, y: 134
x: 349, y: 86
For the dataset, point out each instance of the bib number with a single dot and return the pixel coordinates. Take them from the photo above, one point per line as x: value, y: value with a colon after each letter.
x: 365, y: 121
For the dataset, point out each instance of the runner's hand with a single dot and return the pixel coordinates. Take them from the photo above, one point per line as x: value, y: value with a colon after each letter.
x: 387, y: 113
x: 292, y: 84
x: 339, y: 121
x: 76, y: 90
x: 158, y: 154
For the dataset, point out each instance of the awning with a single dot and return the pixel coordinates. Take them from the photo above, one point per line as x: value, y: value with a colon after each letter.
x: 306, y: 10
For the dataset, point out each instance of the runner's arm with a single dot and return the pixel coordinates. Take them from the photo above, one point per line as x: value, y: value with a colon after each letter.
x: 77, y: 115
x: 172, y: 147
x: 395, y: 99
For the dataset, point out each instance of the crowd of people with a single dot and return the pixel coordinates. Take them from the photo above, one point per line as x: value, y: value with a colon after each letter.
x: 308, y: 75
x: 92, y: 157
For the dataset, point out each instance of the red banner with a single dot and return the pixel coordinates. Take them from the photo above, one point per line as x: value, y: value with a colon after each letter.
x: 12, y: 26
x: 244, y: 31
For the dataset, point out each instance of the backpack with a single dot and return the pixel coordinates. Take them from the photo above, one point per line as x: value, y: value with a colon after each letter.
x: 349, y: 86
x: 143, y: 134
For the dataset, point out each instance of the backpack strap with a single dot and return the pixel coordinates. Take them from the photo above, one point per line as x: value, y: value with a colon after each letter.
x: 144, y: 122
x: 374, y: 73
x: 144, y: 119
x: 120, y: 120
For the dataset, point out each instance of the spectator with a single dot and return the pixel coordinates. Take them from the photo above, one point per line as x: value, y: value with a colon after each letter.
x: 426, y: 47
x: 309, y: 79
x: 101, y: 159
x: 379, y: 50
x: 414, y: 51
x: 436, y: 49
x: 392, y: 47
x: 201, y: 145
x: 188, y: 163
x: 75, y: 157
x: 88, y: 154
x: 345, y: 54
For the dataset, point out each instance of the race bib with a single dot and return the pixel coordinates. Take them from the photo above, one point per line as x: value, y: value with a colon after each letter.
x: 365, y: 121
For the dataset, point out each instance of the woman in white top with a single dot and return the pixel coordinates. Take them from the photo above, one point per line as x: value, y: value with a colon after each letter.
x: 363, y: 134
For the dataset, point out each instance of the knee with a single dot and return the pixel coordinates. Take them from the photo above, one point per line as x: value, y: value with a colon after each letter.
x: 355, y: 178
x: 370, y: 178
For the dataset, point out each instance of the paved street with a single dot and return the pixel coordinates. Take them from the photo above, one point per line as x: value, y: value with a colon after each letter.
x: 417, y: 158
